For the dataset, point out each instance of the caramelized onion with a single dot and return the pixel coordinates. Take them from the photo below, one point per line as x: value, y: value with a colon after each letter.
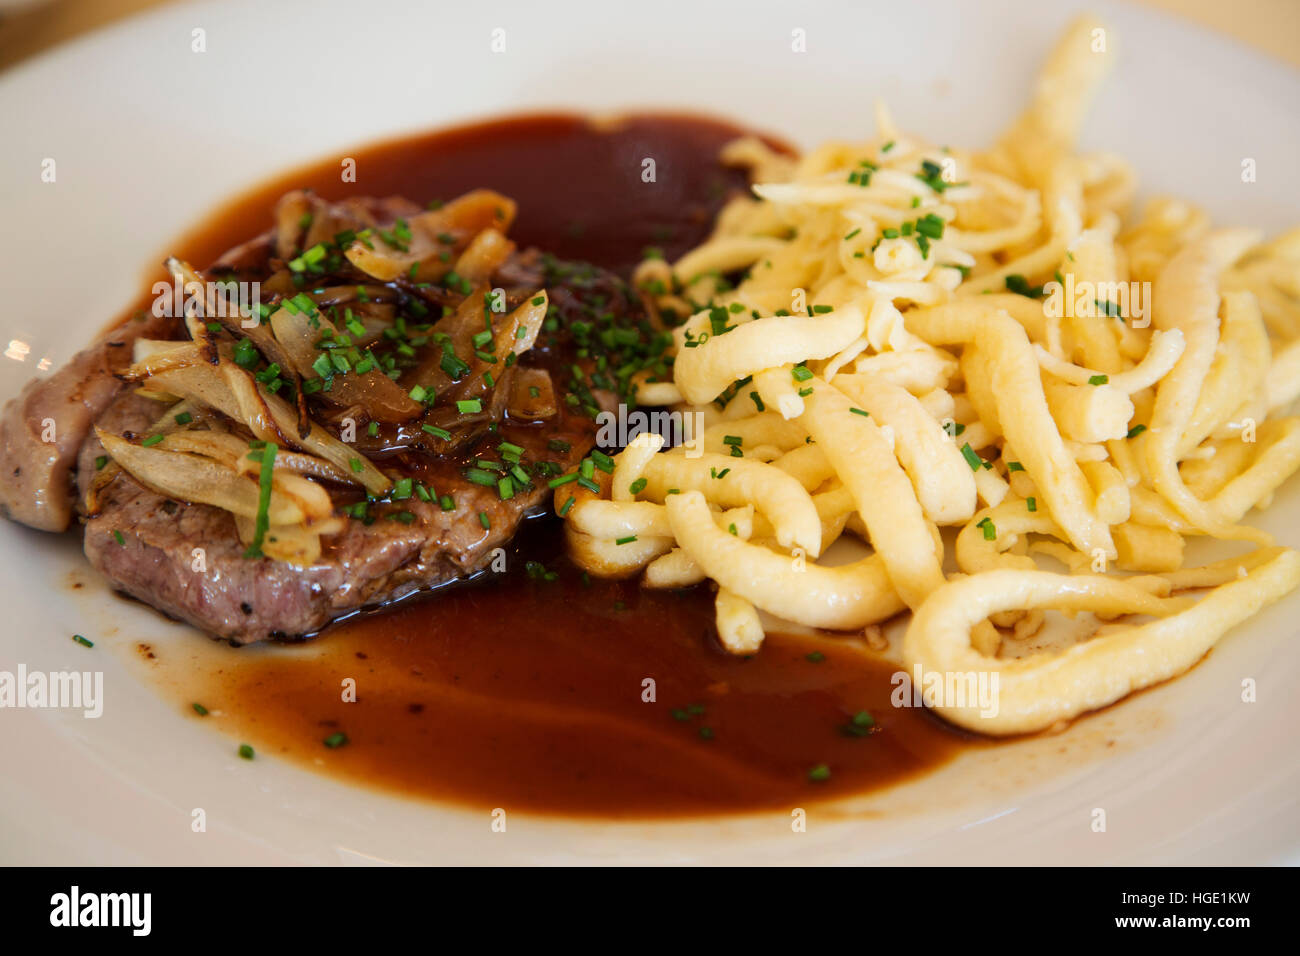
x: 526, y: 406
x: 256, y: 332
x: 201, y: 480
x: 379, y: 397
x: 461, y: 220
x: 205, y: 384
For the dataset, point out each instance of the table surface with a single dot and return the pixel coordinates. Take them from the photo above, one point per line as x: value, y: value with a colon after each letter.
x: 28, y: 27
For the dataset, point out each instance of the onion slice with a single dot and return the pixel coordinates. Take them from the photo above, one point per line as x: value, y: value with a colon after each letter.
x: 203, y: 383
x: 460, y: 220
x: 201, y: 480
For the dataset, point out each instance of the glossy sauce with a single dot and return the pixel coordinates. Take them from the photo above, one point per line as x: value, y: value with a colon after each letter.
x: 565, y: 696
x: 580, y: 697
x: 579, y: 187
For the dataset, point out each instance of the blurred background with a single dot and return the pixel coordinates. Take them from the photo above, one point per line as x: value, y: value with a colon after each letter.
x: 29, y: 26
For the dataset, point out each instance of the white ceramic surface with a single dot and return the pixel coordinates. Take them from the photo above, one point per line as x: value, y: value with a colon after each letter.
x: 148, y: 135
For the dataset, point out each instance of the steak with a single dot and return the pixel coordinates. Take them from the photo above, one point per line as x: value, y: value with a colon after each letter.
x: 187, y: 560
x: 147, y: 545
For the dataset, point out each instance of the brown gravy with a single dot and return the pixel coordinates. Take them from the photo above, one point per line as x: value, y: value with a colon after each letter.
x: 578, y: 186
x: 529, y: 694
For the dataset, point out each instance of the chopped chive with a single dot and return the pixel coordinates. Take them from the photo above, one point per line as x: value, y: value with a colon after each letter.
x: 1015, y: 466
x: 1020, y: 286
x: 100, y: 462
x: 567, y: 505
x: 152, y: 440
x: 972, y: 459
x: 335, y: 740
x: 184, y: 418
x: 199, y: 709
x: 246, y: 751
x: 263, y: 520
x: 1135, y: 431
x: 481, y: 477
x: 1031, y: 503
x: 484, y: 520
x: 117, y: 535
x: 435, y: 430
x: 469, y: 406
x: 1098, y: 379
x: 859, y: 411
x: 637, y: 486
x: 820, y: 773
x: 930, y: 226
x: 628, y: 540
x: 82, y: 641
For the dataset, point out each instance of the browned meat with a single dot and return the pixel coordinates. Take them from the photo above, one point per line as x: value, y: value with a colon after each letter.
x: 188, y: 560
x: 145, y: 544
x: 37, y: 486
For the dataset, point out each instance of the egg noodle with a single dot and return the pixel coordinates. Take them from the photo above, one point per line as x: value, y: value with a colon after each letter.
x: 926, y: 338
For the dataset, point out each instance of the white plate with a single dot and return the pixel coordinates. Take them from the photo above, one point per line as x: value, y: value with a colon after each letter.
x: 148, y: 135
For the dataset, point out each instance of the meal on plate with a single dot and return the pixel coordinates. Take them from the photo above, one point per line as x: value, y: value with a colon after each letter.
x: 975, y: 387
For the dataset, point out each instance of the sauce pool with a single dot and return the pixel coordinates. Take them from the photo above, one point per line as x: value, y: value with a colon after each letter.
x: 564, y: 696
x: 577, y: 697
